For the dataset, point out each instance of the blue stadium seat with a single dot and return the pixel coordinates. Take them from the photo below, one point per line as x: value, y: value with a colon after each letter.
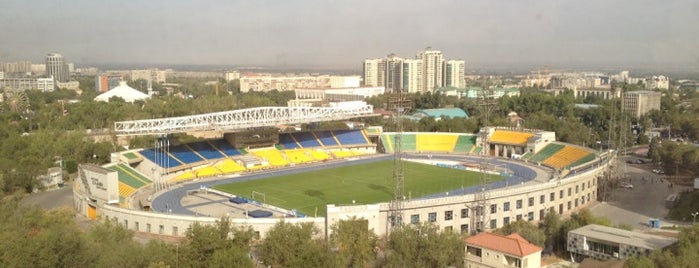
x: 184, y: 154
x: 326, y: 138
x: 306, y: 139
x: 165, y: 162
x: 206, y: 150
x: 287, y: 141
x: 225, y: 147
x: 350, y: 137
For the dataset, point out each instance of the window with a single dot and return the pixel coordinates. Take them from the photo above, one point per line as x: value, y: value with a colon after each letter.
x: 464, y: 213
x: 493, y: 209
x: 530, y: 216
x: 506, y: 220
x: 448, y: 229
x: 582, y: 200
x: 519, y: 204
x: 588, y: 196
x: 553, y: 197
x: 493, y: 224
x: 464, y: 228
x: 174, y: 230
x: 542, y: 214
x: 448, y: 215
x: 161, y: 230
x: 569, y: 205
x: 147, y: 227
x: 432, y: 217
x: 576, y: 202
x: 560, y: 194
x: 126, y: 224
x: 136, y: 226
x: 576, y: 189
x: 583, y: 186
x: 542, y: 199
x: 531, y: 201
x: 570, y: 191
x: 506, y: 206
x: 415, y: 218
x: 519, y: 217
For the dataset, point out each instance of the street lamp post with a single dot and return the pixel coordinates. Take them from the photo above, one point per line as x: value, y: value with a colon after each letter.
x: 694, y: 215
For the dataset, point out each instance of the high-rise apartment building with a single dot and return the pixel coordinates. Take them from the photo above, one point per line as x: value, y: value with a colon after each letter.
x: 411, y: 75
x: 105, y: 82
x: 57, y: 67
x: 432, y: 61
x: 641, y: 102
x: 454, y: 73
x: 392, y: 65
x: 371, y: 72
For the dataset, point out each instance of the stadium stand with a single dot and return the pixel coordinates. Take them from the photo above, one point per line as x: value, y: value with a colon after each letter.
x: 386, y: 140
x: 298, y: 156
x: 168, y: 162
x: 225, y: 147
x: 465, y: 143
x: 206, y: 150
x: 350, y: 137
x: 565, y: 157
x: 132, y: 172
x: 128, y: 178
x: 125, y: 190
x: 208, y: 172
x: 407, y: 142
x: 346, y: 153
x: 435, y: 142
x: 327, y: 138
x: 546, y: 152
x: 184, y: 154
x: 319, y: 155
x: 287, y: 141
x: 510, y: 137
x: 306, y: 139
x: 188, y: 175
x: 229, y: 166
x: 273, y: 156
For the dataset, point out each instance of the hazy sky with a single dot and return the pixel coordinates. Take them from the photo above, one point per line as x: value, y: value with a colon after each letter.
x: 343, y: 33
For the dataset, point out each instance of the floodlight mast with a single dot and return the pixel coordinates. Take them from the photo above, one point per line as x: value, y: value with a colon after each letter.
x: 400, y: 105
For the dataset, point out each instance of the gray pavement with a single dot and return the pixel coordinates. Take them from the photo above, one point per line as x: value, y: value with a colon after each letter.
x: 645, y: 201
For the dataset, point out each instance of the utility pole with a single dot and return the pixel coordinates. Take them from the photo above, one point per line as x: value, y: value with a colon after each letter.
x: 399, y: 104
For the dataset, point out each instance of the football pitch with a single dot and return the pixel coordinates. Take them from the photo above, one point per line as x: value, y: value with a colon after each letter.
x: 362, y: 183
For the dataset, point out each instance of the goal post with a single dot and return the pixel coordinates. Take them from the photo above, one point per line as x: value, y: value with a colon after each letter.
x: 259, y: 196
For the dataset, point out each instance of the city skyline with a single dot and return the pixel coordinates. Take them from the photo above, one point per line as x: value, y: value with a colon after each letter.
x: 342, y: 34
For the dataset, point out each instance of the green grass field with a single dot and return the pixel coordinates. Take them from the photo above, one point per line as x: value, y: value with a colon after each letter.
x: 365, y: 183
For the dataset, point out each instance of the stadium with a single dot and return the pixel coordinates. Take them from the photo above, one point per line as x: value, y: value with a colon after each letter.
x: 256, y: 171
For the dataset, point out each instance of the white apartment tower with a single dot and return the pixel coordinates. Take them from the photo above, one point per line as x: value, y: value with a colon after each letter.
x: 57, y: 67
x: 411, y: 75
x: 393, y: 65
x: 432, y: 61
x: 371, y: 72
x: 454, y: 73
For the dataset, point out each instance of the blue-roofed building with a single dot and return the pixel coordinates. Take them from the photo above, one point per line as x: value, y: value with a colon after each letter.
x: 439, y: 113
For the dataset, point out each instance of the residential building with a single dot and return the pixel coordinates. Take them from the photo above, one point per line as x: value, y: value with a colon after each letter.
x: 454, y: 73
x: 155, y: 75
x: 267, y: 82
x: 392, y: 65
x: 603, y: 243
x: 105, y: 82
x: 603, y: 93
x: 2, y: 75
x: 658, y: 82
x: 57, y: 67
x: 492, y: 250
x: 38, y: 69
x: 411, y: 75
x: 432, y: 62
x: 26, y: 83
x: 351, y: 81
x: 641, y: 102
x: 371, y: 72
x: 230, y: 76
x: 17, y: 67
x: 477, y: 92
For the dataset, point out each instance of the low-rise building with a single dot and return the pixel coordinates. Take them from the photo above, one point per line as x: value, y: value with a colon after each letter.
x: 641, y: 102
x: 603, y: 243
x: 492, y: 250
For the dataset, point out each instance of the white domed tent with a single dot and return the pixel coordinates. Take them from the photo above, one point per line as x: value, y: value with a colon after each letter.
x: 123, y: 91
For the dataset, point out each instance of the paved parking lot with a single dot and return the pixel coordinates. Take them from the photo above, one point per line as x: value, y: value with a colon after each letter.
x: 645, y: 201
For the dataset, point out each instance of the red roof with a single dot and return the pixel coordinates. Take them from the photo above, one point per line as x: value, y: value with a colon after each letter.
x: 513, y: 244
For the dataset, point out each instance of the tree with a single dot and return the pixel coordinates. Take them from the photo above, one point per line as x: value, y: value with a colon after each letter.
x: 354, y: 242
x: 294, y: 245
x: 204, y: 241
x: 424, y: 245
x: 526, y: 229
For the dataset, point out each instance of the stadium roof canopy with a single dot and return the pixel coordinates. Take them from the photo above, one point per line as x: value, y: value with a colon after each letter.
x: 441, y: 112
x: 244, y: 119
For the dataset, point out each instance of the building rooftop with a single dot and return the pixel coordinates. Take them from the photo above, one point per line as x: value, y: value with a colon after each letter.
x: 513, y: 244
x: 446, y: 112
x: 621, y: 236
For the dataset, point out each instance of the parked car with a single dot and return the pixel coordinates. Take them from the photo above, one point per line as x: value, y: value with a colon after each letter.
x: 627, y: 185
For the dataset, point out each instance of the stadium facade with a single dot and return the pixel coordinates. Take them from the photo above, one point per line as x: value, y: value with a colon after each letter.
x: 552, y: 176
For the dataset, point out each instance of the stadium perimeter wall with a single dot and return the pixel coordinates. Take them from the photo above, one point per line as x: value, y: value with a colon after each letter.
x: 565, y: 196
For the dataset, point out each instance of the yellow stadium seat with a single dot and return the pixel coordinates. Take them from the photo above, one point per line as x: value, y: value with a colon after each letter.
x: 229, y: 166
x: 566, y: 156
x: 125, y: 190
x: 510, y: 137
x: 273, y: 156
x: 436, y: 142
x: 189, y: 175
x: 207, y: 172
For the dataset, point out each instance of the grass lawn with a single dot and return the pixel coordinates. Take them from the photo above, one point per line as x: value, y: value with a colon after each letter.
x: 365, y: 183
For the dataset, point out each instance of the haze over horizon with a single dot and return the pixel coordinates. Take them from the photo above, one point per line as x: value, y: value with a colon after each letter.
x: 341, y: 34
